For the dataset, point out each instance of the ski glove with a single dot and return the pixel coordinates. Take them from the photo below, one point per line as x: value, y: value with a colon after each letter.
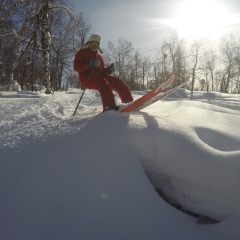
x: 111, y: 68
x: 94, y: 63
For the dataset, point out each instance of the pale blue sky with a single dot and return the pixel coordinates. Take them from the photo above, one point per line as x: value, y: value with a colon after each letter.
x: 145, y: 23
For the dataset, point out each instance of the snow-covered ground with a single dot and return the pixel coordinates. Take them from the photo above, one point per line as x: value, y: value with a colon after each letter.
x: 87, y: 177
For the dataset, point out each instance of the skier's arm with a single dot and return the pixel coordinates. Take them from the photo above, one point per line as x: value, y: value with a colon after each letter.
x: 80, y: 65
x: 106, y: 70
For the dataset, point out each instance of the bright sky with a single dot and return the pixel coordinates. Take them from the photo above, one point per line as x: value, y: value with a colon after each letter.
x: 146, y: 23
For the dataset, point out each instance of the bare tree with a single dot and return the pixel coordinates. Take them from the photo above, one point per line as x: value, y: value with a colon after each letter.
x: 62, y: 46
x: 44, y: 24
x: 197, y: 52
x: 121, y: 54
x: 22, y: 32
x: 237, y: 80
x: 146, y: 66
x: 175, y: 49
x: 158, y: 67
x: 83, y: 28
x: 39, y: 30
x: 137, y: 62
x: 132, y: 70
x: 207, y: 68
x: 229, y: 59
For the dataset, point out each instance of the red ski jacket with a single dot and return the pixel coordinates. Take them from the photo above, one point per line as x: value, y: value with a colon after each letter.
x: 82, y: 61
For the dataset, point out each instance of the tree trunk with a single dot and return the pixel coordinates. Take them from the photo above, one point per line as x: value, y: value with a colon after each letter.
x: 212, y: 79
x: 45, y: 46
x: 193, y: 81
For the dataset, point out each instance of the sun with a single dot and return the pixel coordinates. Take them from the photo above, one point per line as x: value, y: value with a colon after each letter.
x: 197, y: 17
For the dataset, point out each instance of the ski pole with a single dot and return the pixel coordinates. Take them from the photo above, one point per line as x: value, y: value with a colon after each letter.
x: 83, y: 91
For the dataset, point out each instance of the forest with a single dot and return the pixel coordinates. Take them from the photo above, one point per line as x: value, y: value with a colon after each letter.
x: 39, y: 38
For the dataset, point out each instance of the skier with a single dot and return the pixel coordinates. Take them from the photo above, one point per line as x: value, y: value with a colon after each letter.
x: 93, y: 74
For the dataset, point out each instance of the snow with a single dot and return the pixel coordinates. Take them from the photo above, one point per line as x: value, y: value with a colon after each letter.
x: 93, y: 176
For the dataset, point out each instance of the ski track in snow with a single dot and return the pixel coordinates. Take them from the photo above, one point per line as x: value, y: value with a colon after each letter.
x: 32, y: 120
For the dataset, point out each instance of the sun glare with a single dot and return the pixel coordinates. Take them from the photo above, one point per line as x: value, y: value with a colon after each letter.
x: 198, y: 17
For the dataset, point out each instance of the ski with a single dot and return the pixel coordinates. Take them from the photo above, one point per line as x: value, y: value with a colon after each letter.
x: 159, y: 92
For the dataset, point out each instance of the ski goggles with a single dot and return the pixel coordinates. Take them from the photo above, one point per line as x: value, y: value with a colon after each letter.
x: 93, y: 43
